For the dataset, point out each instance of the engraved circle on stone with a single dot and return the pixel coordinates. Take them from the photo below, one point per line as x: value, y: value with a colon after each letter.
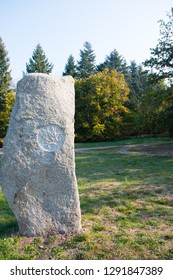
x: 50, y: 138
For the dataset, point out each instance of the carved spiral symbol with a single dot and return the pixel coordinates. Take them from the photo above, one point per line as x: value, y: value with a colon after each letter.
x: 51, y: 138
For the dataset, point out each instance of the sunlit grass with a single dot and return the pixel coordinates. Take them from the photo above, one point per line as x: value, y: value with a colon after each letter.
x: 127, y: 212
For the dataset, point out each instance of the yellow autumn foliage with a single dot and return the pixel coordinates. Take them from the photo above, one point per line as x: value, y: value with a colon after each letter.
x: 100, y: 106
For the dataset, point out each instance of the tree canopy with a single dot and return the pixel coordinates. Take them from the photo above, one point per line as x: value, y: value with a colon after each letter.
x: 100, y: 106
x: 113, y: 99
x: 6, y: 95
x: 161, y: 58
x: 5, y: 74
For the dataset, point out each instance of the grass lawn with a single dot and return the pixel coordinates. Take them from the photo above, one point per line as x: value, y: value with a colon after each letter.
x: 127, y: 211
x: 137, y: 140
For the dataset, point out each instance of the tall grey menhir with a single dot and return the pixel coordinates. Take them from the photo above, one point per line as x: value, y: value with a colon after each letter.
x: 38, y: 167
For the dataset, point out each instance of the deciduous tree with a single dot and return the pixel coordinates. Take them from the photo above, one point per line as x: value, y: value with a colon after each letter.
x: 100, y: 106
x: 5, y: 113
x: 161, y: 60
x: 6, y: 96
x: 5, y: 76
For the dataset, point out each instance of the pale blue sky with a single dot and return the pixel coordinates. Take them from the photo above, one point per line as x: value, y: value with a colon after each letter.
x: 62, y: 27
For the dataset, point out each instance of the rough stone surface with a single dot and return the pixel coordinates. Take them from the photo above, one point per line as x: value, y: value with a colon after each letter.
x: 38, y: 169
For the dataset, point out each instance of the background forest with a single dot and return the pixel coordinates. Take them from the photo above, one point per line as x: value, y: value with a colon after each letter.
x: 114, y: 100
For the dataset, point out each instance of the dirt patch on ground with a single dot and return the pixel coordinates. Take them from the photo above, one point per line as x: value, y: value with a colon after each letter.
x: 160, y: 149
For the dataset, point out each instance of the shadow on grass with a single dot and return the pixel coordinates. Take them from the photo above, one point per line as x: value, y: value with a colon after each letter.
x: 109, y: 165
x: 8, y: 223
x: 8, y: 228
x: 138, y: 184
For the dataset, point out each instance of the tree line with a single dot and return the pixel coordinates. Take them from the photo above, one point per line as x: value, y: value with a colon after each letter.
x: 113, y: 99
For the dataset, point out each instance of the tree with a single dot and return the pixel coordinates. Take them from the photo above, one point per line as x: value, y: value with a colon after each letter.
x: 5, y: 76
x: 6, y: 96
x: 138, y: 84
x: 39, y: 63
x: 114, y: 61
x: 5, y: 113
x: 161, y: 58
x: 86, y: 64
x: 167, y: 110
x: 151, y: 117
x: 100, y: 106
x: 161, y: 61
x: 70, y: 67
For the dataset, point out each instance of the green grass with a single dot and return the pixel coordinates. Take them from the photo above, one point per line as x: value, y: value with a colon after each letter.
x: 137, y: 140
x: 7, y: 220
x: 127, y: 211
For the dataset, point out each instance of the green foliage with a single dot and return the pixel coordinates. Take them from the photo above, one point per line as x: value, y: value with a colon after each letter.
x: 155, y: 111
x: 9, y: 99
x: 166, y: 109
x: 138, y: 84
x: 146, y: 110
x: 100, y: 106
x: 5, y: 76
x: 70, y: 67
x: 161, y: 58
x: 86, y: 64
x: 1, y: 142
x: 6, y: 95
x: 7, y: 219
x: 39, y: 63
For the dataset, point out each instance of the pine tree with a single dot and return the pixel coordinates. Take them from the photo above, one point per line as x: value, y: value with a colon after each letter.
x: 39, y: 63
x: 86, y: 64
x: 114, y: 61
x: 138, y: 84
x: 70, y: 67
x: 5, y: 76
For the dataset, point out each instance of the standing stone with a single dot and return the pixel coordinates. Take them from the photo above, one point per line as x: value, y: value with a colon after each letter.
x: 38, y: 169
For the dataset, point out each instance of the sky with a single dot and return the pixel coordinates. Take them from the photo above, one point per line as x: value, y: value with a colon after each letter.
x: 62, y: 26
